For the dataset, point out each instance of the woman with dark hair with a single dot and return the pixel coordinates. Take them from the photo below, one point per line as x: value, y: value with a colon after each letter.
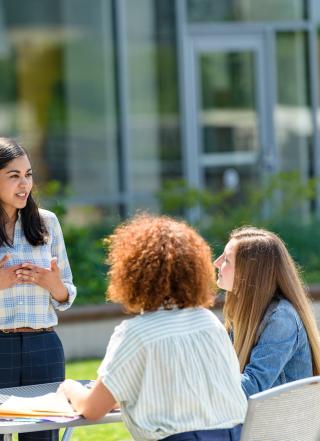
x: 35, y: 280
x: 172, y: 368
x: 267, y: 311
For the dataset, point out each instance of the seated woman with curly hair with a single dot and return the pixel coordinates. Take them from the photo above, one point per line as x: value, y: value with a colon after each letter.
x: 171, y: 368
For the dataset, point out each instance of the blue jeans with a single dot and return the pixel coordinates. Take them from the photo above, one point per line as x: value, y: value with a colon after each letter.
x: 31, y: 358
x: 232, y: 434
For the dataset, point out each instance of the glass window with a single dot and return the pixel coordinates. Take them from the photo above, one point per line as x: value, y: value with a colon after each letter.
x: 228, y: 117
x: 293, y: 121
x: 155, y: 148
x: 318, y: 67
x: 90, y: 94
x: 57, y: 92
x: 239, y: 180
x: 244, y: 10
x: 317, y: 12
x: 293, y: 116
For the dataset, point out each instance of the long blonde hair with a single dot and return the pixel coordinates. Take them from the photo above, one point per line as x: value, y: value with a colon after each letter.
x: 263, y: 269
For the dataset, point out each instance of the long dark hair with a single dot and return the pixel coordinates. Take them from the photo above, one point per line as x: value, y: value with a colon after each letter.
x: 33, y: 225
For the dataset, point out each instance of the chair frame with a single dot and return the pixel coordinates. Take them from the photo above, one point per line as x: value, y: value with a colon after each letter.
x: 258, y: 399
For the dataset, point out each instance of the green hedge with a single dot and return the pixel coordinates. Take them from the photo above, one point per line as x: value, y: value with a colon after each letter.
x: 87, y: 254
x: 284, y: 194
x: 280, y: 204
x: 84, y: 246
x: 87, y: 260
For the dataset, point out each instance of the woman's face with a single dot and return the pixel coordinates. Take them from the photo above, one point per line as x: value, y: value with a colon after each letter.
x: 15, y: 184
x: 226, y: 266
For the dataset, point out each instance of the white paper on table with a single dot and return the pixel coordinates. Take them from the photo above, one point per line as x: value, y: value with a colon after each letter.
x: 51, y: 404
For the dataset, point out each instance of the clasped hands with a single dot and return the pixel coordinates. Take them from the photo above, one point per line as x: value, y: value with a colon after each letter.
x: 47, y: 278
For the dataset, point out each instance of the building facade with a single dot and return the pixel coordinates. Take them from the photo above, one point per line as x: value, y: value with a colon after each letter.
x: 115, y: 97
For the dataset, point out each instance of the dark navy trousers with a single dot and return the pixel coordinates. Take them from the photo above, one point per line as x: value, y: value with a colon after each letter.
x: 232, y: 434
x: 31, y: 358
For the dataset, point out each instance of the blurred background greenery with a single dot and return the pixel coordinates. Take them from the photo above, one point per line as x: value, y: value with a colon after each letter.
x: 285, y: 193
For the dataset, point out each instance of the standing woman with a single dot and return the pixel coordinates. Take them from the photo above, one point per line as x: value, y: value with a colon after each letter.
x: 35, y: 280
x: 267, y: 311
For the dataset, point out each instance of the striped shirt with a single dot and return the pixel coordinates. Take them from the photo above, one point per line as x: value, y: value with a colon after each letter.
x: 174, y: 371
x: 29, y: 305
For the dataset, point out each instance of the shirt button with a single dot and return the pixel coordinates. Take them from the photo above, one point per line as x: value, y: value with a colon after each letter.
x: 21, y: 303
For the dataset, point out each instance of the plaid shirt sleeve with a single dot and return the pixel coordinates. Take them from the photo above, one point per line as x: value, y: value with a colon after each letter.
x: 30, y: 305
x: 58, y: 250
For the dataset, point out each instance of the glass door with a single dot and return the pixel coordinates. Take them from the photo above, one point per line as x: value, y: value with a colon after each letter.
x: 231, y: 122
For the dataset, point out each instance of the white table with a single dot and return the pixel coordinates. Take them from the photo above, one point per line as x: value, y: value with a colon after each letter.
x: 9, y: 427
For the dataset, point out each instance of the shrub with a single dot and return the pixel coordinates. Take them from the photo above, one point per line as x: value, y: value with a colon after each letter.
x: 87, y: 255
x: 281, y: 205
x: 84, y: 246
x: 277, y: 205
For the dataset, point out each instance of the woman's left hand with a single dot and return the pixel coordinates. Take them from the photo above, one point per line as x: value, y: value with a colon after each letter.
x: 48, y: 278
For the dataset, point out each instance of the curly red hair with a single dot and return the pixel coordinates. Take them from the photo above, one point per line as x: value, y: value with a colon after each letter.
x: 156, y: 261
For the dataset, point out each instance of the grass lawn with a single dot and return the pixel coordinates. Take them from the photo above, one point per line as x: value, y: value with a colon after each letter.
x: 87, y: 370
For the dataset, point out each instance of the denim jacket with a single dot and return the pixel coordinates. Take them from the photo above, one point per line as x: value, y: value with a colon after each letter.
x: 282, y: 352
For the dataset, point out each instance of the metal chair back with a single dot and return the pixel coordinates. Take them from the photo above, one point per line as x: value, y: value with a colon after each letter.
x: 290, y: 412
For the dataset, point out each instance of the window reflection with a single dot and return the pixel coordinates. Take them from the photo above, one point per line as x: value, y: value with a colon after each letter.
x: 57, y: 92
x: 239, y: 181
x: 153, y: 96
x: 293, y: 115
x: 91, y: 100
x: 293, y: 120
x: 229, y: 118
x: 245, y: 10
x: 31, y: 65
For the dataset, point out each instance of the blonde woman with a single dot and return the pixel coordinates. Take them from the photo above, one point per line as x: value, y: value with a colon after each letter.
x: 267, y: 311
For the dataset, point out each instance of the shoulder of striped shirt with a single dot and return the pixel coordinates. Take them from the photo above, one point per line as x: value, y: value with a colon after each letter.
x: 142, y: 321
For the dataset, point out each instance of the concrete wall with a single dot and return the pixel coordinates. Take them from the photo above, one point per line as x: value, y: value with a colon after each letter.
x: 86, y: 331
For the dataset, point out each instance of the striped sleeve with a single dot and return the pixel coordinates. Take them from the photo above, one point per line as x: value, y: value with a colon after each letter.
x: 123, y: 366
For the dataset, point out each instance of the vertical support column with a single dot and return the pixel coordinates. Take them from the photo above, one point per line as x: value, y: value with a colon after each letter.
x: 187, y: 109
x: 123, y: 108
x: 314, y: 95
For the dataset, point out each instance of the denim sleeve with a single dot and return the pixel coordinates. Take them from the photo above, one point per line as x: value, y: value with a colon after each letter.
x: 273, y: 350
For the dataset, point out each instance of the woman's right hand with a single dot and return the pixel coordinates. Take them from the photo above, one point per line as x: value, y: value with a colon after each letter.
x: 8, y: 277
